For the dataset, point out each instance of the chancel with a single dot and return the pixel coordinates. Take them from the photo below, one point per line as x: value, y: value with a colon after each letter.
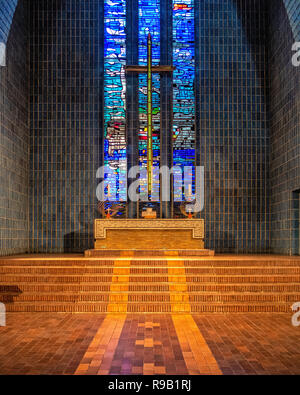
x: 141, y: 234
x: 149, y: 189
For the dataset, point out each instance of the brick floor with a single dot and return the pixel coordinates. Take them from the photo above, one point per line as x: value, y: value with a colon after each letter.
x: 45, y: 343
x: 61, y: 343
x: 252, y: 344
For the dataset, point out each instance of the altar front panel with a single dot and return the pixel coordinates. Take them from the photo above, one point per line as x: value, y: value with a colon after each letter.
x: 149, y: 234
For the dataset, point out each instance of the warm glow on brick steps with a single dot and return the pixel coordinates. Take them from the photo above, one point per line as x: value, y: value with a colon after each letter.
x: 170, y: 284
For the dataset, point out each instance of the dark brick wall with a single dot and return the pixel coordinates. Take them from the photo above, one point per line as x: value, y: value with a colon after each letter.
x: 232, y: 122
x: 66, y: 90
x: 285, y: 126
x: 66, y: 122
x: 14, y: 130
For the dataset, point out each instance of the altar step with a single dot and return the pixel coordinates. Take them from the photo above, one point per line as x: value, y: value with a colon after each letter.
x: 158, y: 297
x: 106, y: 270
x: 153, y: 307
x: 217, y: 261
x: 146, y: 253
x: 32, y: 288
x: 154, y: 285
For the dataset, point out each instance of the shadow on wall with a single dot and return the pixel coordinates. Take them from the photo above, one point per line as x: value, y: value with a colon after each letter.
x: 78, y: 242
x: 8, y: 293
x: 253, y: 35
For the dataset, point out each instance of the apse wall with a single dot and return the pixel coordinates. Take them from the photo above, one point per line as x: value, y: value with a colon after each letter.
x: 285, y: 126
x: 14, y: 130
x: 66, y: 90
x: 232, y: 121
x: 66, y: 99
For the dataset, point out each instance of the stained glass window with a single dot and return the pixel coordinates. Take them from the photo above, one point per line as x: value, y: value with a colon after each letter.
x: 114, y: 91
x: 115, y: 86
x: 149, y: 22
x: 183, y: 83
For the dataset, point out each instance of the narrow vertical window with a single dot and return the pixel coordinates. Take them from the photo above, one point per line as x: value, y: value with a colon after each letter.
x: 149, y: 22
x: 183, y: 84
x: 115, y: 90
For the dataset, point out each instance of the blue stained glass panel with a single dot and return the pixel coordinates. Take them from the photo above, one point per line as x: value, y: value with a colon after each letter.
x: 115, y: 83
x: 183, y: 83
x: 114, y: 91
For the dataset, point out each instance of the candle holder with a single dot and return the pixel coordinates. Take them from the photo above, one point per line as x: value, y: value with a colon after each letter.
x: 108, y: 209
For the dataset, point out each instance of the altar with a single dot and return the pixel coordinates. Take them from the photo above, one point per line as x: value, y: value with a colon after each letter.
x: 149, y: 234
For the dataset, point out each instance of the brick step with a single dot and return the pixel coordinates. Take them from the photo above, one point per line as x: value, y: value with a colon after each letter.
x: 116, y: 297
x: 55, y: 263
x: 60, y: 263
x: 141, y: 253
x: 207, y: 278
x: 85, y: 307
x: 150, y: 284
x: 149, y: 287
x: 72, y: 271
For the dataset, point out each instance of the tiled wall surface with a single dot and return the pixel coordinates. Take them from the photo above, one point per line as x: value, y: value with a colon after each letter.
x: 285, y: 126
x: 14, y: 130
x: 66, y: 91
x: 65, y: 102
x: 232, y: 123
x: 66, y: 123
